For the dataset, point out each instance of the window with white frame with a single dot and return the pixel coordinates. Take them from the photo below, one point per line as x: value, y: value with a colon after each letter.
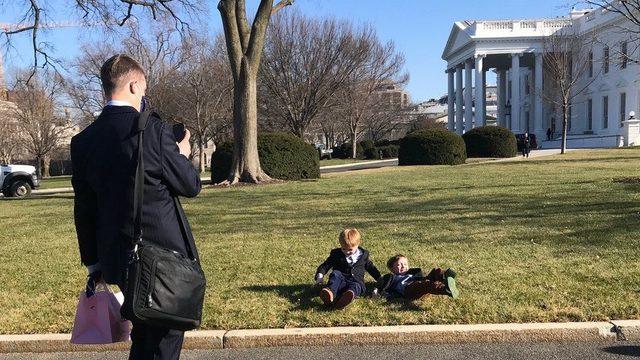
x: 624, y: 54
x: 605, y: 60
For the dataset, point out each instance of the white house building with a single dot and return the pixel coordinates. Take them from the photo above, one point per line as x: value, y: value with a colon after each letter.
x: 513, y: 49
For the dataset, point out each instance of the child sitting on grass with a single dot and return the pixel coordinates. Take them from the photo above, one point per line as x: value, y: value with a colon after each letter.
x: 349, y: 262
x: 411, y: 284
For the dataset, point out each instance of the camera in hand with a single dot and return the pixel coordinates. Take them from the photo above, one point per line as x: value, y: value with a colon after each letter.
x: 179, y: 132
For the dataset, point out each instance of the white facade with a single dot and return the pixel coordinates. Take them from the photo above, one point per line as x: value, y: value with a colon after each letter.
x: 514, y: 50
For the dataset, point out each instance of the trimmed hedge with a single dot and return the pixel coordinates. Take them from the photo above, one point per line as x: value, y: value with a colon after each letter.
x: 369, y: 150
x: 344, y: 151
x: 490, y: 142
x: 432, y: 147
x: 282, y: 156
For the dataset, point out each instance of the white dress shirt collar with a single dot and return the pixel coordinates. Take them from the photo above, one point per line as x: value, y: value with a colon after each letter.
x: 118, y: 103
x: 353, y: 258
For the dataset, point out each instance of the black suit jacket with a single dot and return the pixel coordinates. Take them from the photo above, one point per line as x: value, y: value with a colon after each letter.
x: 338, y: 261
x: 104, y: 157
x: 384, y: 283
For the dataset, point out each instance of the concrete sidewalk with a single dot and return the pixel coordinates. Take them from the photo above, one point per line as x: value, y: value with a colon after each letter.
x: 623, y: 330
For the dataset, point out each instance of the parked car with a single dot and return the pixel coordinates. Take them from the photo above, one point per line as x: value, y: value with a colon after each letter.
x: 324, y: 152
x: 532, y: 141
x: 18, y: 180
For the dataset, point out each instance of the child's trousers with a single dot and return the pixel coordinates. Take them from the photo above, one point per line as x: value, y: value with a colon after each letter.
x: 339, y: 283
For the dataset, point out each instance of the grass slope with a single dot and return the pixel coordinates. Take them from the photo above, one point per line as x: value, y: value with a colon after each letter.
x: 550, y: 239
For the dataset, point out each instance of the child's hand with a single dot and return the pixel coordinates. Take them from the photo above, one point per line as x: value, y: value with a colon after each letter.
x: 375, y: 294
x: 319, y: 278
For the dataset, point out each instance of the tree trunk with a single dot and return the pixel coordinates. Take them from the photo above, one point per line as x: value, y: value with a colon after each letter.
x: 46, y: 162
x: 245, y: 166
x: 201, y: 164
x: 354, y: 146
x: 39, y: 167
x: 563, y: 146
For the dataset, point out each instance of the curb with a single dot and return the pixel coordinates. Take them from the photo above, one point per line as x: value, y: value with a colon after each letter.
x: 617, y: 330
x: 52, y: 343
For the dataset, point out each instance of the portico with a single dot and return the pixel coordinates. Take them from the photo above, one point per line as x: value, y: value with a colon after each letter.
x: 513, y: 50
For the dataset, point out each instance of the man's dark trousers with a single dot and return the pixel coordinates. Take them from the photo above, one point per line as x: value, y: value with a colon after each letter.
x: 104, y: 158
x: 339, y: 283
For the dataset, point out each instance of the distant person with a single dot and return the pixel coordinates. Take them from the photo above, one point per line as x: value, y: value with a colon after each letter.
x: 549, y: 134
x: 349, y: 263
x: 104, y: 164
x: 526, y: 145
x: 411, y: 284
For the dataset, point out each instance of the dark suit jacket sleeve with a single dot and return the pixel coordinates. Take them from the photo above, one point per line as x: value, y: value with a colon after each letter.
x: 372, y: 269
x: 84, y: 209
x: 326, y: 265
x: 177, y: 171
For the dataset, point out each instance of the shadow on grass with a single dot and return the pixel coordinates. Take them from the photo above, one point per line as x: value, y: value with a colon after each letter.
x: 627, y: 350
x: 302, y: 296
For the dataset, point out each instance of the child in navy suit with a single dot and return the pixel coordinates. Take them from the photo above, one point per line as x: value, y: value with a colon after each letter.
x: 411, y: 284
x: 349, y: 263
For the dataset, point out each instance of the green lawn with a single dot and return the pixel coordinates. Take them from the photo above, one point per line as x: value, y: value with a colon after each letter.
x: 55, y: 182
x: 333, y: 162
x: 549, y: 239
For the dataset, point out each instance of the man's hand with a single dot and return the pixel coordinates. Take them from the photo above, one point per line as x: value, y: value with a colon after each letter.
x: 184, y: 146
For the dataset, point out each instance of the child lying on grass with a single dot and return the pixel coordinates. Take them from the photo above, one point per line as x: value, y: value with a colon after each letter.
x: 411, y: 284
x: 349, y: 263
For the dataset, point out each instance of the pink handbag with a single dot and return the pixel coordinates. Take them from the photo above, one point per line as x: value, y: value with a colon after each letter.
x: 98, y: 319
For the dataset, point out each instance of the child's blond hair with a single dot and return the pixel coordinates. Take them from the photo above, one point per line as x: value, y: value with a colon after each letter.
x: 350, y: 237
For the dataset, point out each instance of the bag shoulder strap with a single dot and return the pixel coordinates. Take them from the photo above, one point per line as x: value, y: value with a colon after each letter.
x: 139, y: 189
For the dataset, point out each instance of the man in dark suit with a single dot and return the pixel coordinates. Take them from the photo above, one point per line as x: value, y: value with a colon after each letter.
x: 104, y: 157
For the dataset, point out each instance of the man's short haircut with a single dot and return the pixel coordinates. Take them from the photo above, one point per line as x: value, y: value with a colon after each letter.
x: 114, y: 70
x: 350, y: 237
x: 394, y: 259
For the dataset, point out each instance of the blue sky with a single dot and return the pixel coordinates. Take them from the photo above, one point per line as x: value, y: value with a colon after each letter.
x: 419, y: 28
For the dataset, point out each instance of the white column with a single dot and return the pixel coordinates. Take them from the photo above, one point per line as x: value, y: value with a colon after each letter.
x: 468, y: 96
x: 502, y: 97
x: 484, y: 98
x: 459, y: 114
x: 515, y: 93
x: 538, y: 125
x: 450, y: 101
x: 480, y: 95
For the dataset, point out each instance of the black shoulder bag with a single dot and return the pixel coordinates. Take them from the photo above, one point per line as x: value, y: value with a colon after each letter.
x: 163, y: 287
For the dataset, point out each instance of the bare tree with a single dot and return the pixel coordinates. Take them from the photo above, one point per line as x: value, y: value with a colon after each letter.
x: 567, y: 60
x: 359, y: 102
x: 382, y: 122
x: 630, y: 29
x: 305, y: 62
x: 10, y: 138
x: 160, y: 52
x: 109, y: 13
x: 245, y: 45
x: 37, y: 116
x: 204, y: 94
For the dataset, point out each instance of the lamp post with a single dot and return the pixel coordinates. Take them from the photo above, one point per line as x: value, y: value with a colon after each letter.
x: 507, y: 114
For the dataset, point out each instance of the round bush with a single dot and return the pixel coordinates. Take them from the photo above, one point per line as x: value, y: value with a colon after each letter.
x: 287, y: 157
x: 389, y: 151
x: 221, y: 162
x: 344, y: 151
x: 432, y: 147
x: 490, y: 142
x: 282, y: 156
